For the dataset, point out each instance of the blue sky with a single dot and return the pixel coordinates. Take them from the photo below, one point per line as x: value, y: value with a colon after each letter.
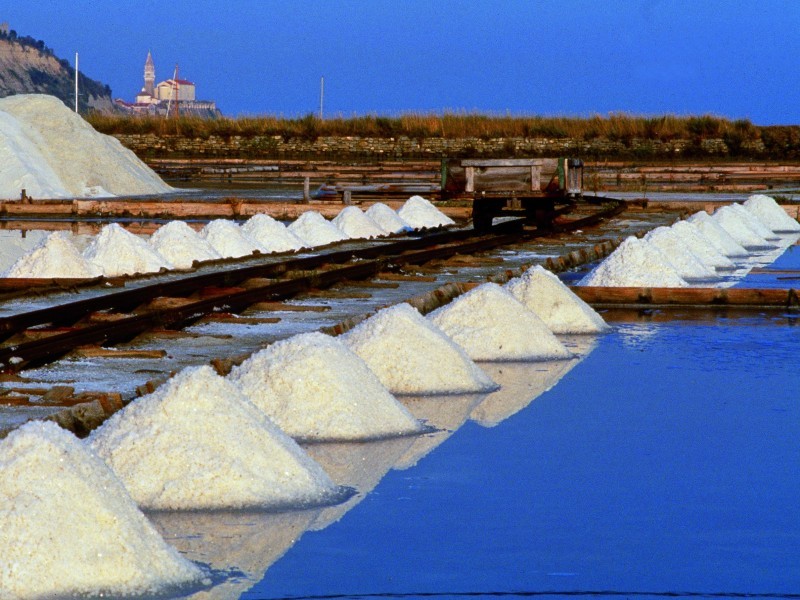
x: 730, y: 58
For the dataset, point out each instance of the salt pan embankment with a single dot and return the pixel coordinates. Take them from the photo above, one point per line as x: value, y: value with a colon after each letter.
x: 356, y: 225
x: 422, y: 214
x: 181, y: 245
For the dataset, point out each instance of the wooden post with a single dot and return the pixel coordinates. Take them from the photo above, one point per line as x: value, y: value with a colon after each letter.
x: 536, y: 173
x: 347, y: 197
x: 307, y: 190
x: 470, y: 173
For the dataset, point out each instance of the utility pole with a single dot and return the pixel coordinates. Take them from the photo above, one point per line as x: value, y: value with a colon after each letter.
x: 321, y: 96
x: 76, y: 82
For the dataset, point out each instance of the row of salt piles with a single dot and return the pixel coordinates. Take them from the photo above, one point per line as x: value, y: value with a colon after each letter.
x: 697, y: 248
x: 117, y: 252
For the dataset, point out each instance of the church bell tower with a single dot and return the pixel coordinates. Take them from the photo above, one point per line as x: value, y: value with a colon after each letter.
x: 149, y: 76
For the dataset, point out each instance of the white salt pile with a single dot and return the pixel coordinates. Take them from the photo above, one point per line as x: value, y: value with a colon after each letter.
x: 738, y: 227
x: 314, y: 230
x: 51, y: 152
x: 680, y: 257
x: 314, y: 387
x: 715, y: 234
x: 421, y: 214
x: 56, y: 256
x: 70, y: 528
x: 387, y: 219
x: 554, y: 303
x: 272, y: 235
x: 197, y: 443
x: 492, y: 325
x: 701, y: 247
x: 356, y: 225
x: 228, y: 239
x: 635, y: 263
x: 755, y: 223
x: 181, y: 245
x: 410, y: 355
x: 119, y: 252
x: 771, y: 214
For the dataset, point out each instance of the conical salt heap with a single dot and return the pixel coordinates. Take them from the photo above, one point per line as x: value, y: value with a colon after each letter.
x: 119, y: 252
x: 69, y: 528
x: 315, y: 388
x: 422, y: 214
x: 689, y: 234
x: 387, y: 219
x: 771, y: 214
x: 314, y: 230
x: 635, y: 263
x: 410, y: 355
x: 229, y: 240
x: 554, y: 303
x: 739, y: 229
x: 492, y: 325
x: 686, y: 264
x: 197, y: 443
x: 272, y: 235
x: 56, y: 256
x: 356, y: 225
x: 717, y: 235
x: 755, y: 223
x: 181, y: 245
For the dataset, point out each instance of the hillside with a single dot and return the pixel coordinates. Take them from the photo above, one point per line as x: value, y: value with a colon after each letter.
x: 27, y: 66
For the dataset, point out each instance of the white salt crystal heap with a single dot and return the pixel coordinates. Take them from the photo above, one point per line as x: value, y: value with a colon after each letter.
x: 387, y: 219
x: 228, y: 239
x: 356, y: 225
x: 755, y: 223
x: 635, y: 263
x: 197, y: 443
x: 56, y: 256
x: 14, y: 244
x: 272, y: 235
x: 717, y: 235
x: 738, y: 228
x: 771, y: 214
x: 119, y: 252
x: 69, y: 527
x: 410, y: 355
x: 680, y: 257
x: 557, y: 305
x: 181, y: 245
x: 315, y: 230
x: 315, y: 388
x: 50, y: 151
x: 421, y: 214
x: 701, y: 247
x: 492, y: 325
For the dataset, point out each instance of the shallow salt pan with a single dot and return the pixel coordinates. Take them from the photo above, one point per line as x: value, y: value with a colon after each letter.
x: 557, y: 305
x: 387, y: 219
x: 717, y: 235
x: 181, y: 245
x: 410, y: 355
x: 198, y: 443
x: 679, y: 255
x: 492, y: 325
x: 315, y: 230
x: 635, y: 263
x: 229, y: 240
x: 272, y: 235
x: 771, y: 214
x: 421, y: 214
x: 315, y: 388
x: 738, y: 228
x: 70, y: 528
x: 56, y: 256
x: 119, y: 252
x: 356, y: 225
x: 701, y: 247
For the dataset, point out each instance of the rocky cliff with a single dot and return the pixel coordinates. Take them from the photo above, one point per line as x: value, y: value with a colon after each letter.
x: 27, y: 66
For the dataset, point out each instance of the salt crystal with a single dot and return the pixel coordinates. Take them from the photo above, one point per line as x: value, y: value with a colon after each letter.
x: 314, y: 387
x: 755, y: 223
x: 229, y: 240
x: 56, y: 256
x: 422, y: 214
x: 679, y: 255
x: 181, y: 245
x: 717, y: 235
x: 771, y: 214
x: 119, y: 252
x: 738, y: 227
x: 699, y: 246
x: 272, y: 235
x: 198, y: 443
x: 314, y: 230
x: 356, y: 225
x: 557, y: 305
x: 388, y: 219
x: 71, y: 529
x: 410, y: 355
x: 635, y: 263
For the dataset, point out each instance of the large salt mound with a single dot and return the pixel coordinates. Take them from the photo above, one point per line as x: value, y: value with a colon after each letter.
x: 54, y: 153
x: 227, y: 238
x: 771, y: 214
x: 312, y: 228
x: 69, y: 527
x: 387, y: 219
x: 421, y: 214
x: 198, y: 443
x: 755, y: 223
x: 635, y: 263
x: 356, y: 225
x: 717, y: 235
x: 56, y: 256
x: 701, y: 247
x: 181, y: 245
x: 557, y: 305
x: 491, y: 324
x: 271, y: 234
x: 410, y: 355
x: 119, y: 252
x: 314, y: 387
x: 738, y: 228
x: 680, y: 257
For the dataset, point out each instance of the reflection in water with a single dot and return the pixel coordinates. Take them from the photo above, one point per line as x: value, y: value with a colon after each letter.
x: 636, y: 335
x: 359, y: 465
x: 444, y: 412
x: 240, y: 544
